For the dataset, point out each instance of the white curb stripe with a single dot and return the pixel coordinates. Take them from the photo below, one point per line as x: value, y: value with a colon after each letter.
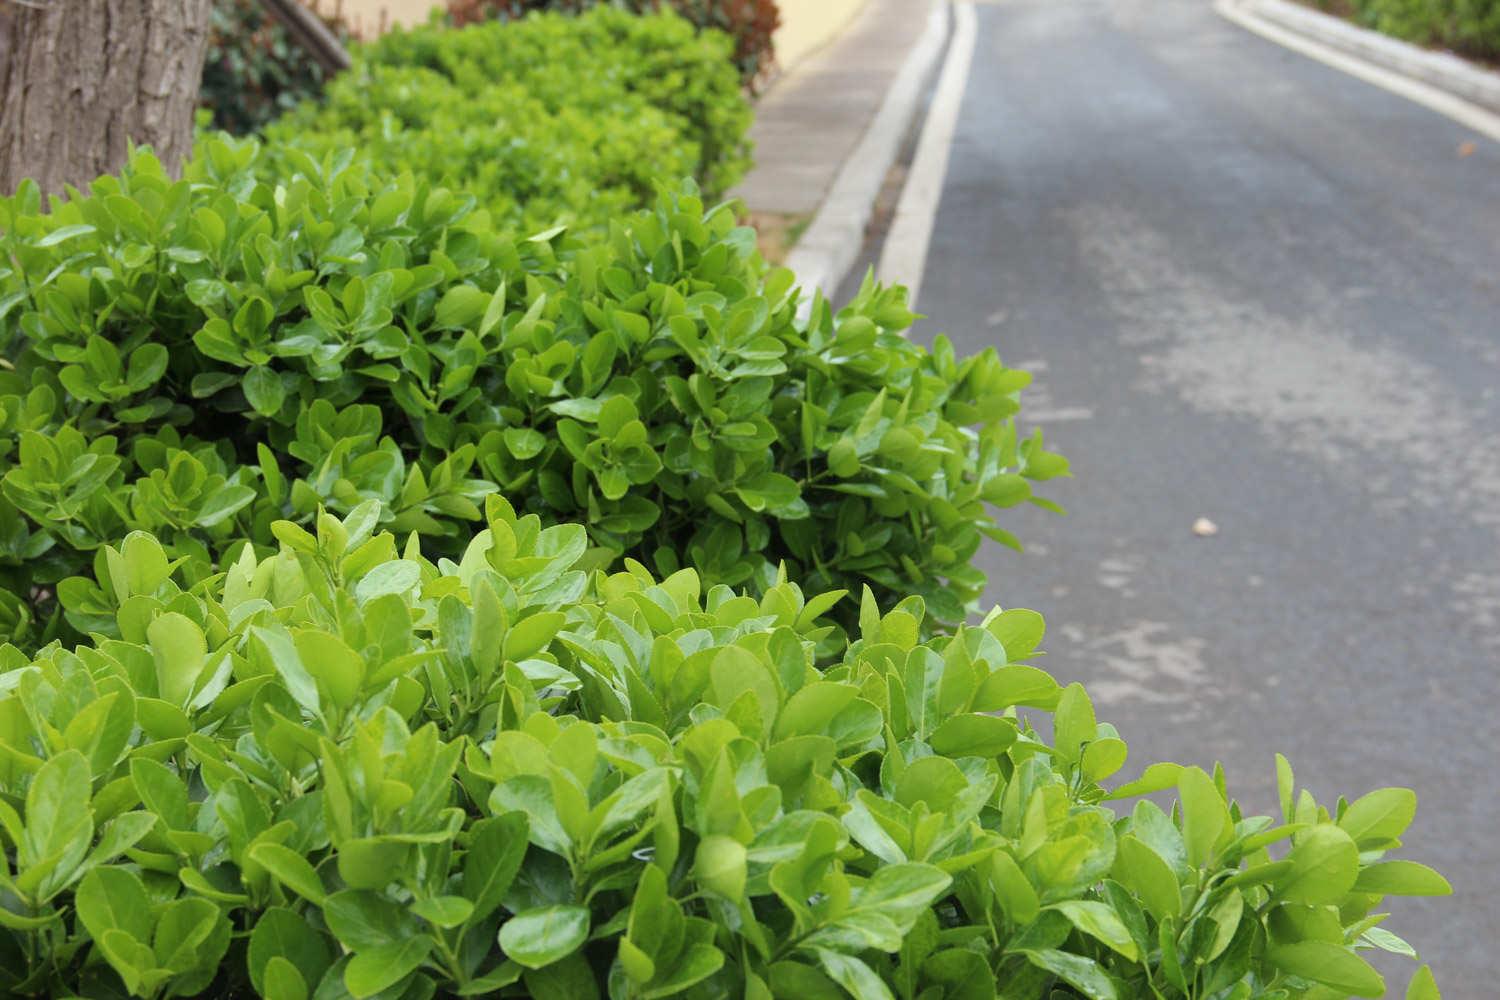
x: 904, y: 256
x: 1464, y: 112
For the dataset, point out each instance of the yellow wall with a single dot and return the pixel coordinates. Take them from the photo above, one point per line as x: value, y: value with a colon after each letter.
x: 807, y: 24
x: 368, y: 17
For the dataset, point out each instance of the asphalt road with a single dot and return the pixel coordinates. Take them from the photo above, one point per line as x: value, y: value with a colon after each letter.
x: 1258, y: 291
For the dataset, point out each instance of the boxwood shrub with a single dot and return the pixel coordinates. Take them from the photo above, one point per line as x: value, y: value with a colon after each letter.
x: 201, y: 358
x: 344, y: 770
x: 547, y: 120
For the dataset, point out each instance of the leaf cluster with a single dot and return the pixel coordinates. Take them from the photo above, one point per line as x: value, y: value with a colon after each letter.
x: 201, y: 358
x: 345, y: 770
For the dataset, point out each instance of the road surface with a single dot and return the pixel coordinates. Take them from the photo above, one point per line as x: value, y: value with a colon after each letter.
x: 1261, y: 292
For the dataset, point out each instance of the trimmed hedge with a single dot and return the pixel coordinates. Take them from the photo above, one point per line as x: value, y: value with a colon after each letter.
x: 201, y: 358
x: 751, y: 23
x: 346, y: 771
x: 548, y: 120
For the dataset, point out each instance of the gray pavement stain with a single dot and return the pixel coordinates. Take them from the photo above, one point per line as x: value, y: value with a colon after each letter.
x: 1253, y: 290
x: 1315, y: 388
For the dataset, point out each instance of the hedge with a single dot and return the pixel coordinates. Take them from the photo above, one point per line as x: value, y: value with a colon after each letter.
x: 751, y: 23
x: 201, y: 358
x: 548, y: 120
x: 1471, y: 27
x: 344, y: 770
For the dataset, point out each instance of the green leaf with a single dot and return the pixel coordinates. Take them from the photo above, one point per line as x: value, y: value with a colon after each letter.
x: 395, y: 577
x: 281, y: 980
x: 264, y: 390
x: 1325, y: 864
x: 523, y: 442
x: 1205, y: 815
x: 529, y: 635
x: 444, y: 911
x: 570, y: 979
x: 853, y: 975
x: 372, y: 970
x: 1074, y: 722
x: 1401, y: 878
x: 974, y: 736
x: 1379, y: 817
x: 162, y: 792
x: 62, y: 234
x: 1331, y: 964
x: 183, y: 932
x: 1423, y: 986
x: 1083, y: 974
x: 291, y: 870
x: 496, y: 847
x: 700, y: 962
x: 281, y: 934
x: 540, y: 936
x: 338, y: 670
x: 1014, y: 892
x: 223, y: 505
x: 1101, y: 922
x: 57, y: 811
x: 179, y: 651
x: 461, y: 307
x: 1155, y: 778
x: 1145, y: 873
x: 1019, y: 630
x: 110, y: 898
x: 843, y: 459
x: 720, y: 866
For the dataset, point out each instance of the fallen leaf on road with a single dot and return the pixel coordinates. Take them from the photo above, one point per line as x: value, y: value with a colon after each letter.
x: 1203, y: 526
x: 1466, y: 149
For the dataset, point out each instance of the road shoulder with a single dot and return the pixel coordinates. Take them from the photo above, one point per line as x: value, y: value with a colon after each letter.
x: 1440, y: 81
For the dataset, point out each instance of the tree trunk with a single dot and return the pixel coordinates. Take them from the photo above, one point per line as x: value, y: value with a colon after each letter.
x: 82, y: 79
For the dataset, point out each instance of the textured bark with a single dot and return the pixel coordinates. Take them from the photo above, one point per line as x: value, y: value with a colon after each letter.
x: 82, y: 79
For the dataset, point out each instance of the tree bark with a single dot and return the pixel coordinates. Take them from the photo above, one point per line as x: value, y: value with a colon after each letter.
x: 82, y: 79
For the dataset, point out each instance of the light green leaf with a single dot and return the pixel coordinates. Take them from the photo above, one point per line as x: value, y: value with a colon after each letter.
x: 538, y: 937
x: 1101, y: 922
x: 1401, y: 878
x: 179, y: 651
x: 1331, y: 964
x: 1325, y: 864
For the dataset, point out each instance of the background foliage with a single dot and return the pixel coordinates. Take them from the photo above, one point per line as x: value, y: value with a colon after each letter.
x: 550, y: 120
x: 253, y: 70
x: 1471, y: 27
x: 751, y: 23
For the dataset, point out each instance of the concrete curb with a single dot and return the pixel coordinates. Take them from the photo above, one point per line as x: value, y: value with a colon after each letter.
x: 833, y: 240
x: 1439, y: 69
x: 903, y: 258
